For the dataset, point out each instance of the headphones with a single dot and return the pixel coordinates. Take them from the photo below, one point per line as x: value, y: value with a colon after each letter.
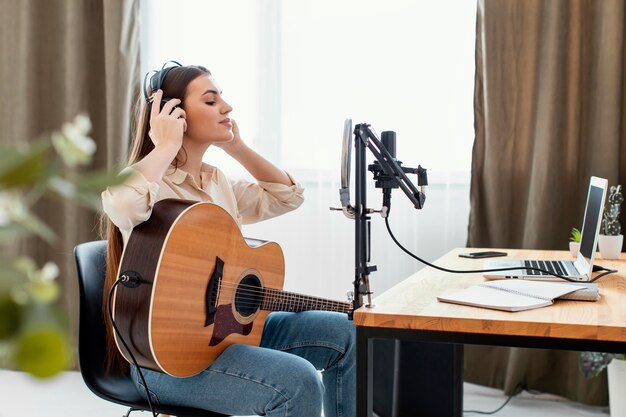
x: 156, y: 82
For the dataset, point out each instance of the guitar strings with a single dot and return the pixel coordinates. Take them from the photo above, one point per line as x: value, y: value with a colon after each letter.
x: 295, y: 308
x: 252, y: 297
x: 251, y: 300
x: 249, y: 297
x: 255, y: 290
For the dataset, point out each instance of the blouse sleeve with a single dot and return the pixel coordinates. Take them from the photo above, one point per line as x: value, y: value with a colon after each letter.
x: 130, y: 203
x: 264, y: 200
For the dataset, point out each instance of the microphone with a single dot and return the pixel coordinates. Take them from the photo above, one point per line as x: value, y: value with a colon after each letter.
x: 387, y: 182
x: 382, y: 180
x: 389, y: 141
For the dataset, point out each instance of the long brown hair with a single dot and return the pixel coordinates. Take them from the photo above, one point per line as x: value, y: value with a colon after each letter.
x: 174, y: 86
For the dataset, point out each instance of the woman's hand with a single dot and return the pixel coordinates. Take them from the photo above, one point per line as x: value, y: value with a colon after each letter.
x: 168, y: 125
x: 233, y: 146
x: 259, y: 167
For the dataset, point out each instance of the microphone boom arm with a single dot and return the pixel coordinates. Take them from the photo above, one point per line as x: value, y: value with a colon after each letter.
x: 388, y: 174
x: 366, y: 139
x: 391, y: 167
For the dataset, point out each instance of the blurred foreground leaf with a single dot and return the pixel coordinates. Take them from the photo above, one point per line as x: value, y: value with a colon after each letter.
x: 19, y: 167
x: 42, y: 352
x: 86, y: 189
x: 33, y: 331
x: 37, y: 227
x: 9, y: 317
x: 12, y: 232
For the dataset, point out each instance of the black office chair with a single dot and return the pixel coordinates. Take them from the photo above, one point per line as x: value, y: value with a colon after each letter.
x: 120, y: 389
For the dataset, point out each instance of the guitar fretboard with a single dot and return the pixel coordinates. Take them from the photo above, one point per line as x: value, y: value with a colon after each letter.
x: 277, y: 300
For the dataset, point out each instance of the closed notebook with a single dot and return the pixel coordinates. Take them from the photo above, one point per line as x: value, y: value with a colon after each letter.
x: 518, y: 295
x: 588, y: 292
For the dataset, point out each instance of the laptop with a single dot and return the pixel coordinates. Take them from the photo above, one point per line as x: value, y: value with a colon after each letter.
x: 582, y: 267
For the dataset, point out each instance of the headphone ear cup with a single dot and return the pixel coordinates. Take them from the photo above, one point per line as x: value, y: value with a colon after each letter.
x: 155, y: 80
x: 163, y: 101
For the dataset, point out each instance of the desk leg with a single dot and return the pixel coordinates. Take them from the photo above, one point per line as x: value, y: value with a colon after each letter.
x: 428, y: 379
x: 364, y: 373
x: 398, y: 378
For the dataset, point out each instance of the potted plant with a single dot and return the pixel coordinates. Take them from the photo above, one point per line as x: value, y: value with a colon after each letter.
x: 592, y: 363
x: 33, y: 329
x: 574, y: 244
x: 610, y: 240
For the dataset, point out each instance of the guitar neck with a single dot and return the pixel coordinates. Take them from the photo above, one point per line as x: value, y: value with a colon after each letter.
x: 278, y: 300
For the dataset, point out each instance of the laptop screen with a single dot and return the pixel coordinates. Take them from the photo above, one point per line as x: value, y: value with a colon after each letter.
x: 591, y: 221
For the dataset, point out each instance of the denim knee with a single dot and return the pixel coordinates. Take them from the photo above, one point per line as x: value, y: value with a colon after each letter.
x: 309, y: 393
x: 348, y: 330
x: 305, y: 393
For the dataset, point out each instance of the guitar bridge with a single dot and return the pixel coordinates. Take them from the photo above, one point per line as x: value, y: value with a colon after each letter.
x: 212, y: 292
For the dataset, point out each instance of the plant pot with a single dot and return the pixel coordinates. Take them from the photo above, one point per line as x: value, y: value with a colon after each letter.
x: 610, y: 246
x: 574, y: 248
x: 617, y: 387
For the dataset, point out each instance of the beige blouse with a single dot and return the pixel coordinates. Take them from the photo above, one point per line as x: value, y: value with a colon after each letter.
x: 131, y: 203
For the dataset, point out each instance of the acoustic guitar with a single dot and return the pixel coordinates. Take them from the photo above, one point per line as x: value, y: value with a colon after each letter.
x: 203, y: 288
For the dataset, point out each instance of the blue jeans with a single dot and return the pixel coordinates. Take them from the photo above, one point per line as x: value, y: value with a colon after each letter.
x: 280, y: 377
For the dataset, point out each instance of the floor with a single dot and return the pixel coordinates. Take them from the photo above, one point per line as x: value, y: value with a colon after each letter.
x: 67, y: 396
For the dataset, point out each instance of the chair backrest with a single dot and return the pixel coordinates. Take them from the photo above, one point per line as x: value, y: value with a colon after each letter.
x: 91, y: 266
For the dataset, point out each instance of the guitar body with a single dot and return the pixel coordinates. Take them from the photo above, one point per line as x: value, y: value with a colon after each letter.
x: 201, y: 287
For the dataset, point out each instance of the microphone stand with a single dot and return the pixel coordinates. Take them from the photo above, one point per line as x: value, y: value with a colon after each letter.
x: 388, y: 174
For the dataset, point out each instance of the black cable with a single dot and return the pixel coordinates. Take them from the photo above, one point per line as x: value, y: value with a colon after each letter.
x: 519, y: 385
x: 474, y: 271
x: 145, y: 385
x: 601, y: 268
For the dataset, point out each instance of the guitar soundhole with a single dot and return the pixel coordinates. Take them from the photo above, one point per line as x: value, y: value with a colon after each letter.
x: 248, y: 296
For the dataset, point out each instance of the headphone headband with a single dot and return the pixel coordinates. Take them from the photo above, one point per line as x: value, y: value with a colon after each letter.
x: 157, y: 79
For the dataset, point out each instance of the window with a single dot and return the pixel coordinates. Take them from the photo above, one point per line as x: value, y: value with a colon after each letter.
x: 405, y: 66
x: 295, y: 70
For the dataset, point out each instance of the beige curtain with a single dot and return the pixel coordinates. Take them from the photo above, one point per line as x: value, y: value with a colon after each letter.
x: 59, y: 58
x: 549, y: 106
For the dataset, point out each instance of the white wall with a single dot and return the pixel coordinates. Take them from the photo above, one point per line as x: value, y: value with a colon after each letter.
x: 319, y: 243
x: 295, y: 69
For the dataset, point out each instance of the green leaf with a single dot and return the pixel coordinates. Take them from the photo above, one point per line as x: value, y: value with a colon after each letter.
x: 92, y: 200
x: 12, y: 232
x: 43, y: 291
x: 89, y: 187
x: 99, y: 180
x: 36, y: 226
x: 43, y: 352
x: 23, y: 167
x: 9, y: 316
x: 10, y: 275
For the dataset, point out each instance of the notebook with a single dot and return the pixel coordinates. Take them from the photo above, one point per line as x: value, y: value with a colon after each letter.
x: 519, y: 295
x: 582, y: 267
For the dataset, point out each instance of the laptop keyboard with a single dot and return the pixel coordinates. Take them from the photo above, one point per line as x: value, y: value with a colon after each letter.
x: 553, y: 266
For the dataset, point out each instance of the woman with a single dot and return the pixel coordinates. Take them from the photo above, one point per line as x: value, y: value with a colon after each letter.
x: 280, y: 377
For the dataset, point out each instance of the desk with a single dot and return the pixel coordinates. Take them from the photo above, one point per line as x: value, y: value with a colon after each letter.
x: 410, y: 311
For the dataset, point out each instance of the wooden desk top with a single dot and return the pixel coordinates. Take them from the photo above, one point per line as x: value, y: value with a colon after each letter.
x: 412, y: 304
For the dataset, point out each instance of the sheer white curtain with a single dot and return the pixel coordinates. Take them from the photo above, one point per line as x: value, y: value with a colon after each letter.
x: 294, y: 70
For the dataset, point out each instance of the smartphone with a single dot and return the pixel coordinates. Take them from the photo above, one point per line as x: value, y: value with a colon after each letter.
x: 487, y: 254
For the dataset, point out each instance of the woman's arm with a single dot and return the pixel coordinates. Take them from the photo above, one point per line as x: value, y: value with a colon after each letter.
x: 131, y: 203
x: 259, y: 167
x: 166, y: 132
